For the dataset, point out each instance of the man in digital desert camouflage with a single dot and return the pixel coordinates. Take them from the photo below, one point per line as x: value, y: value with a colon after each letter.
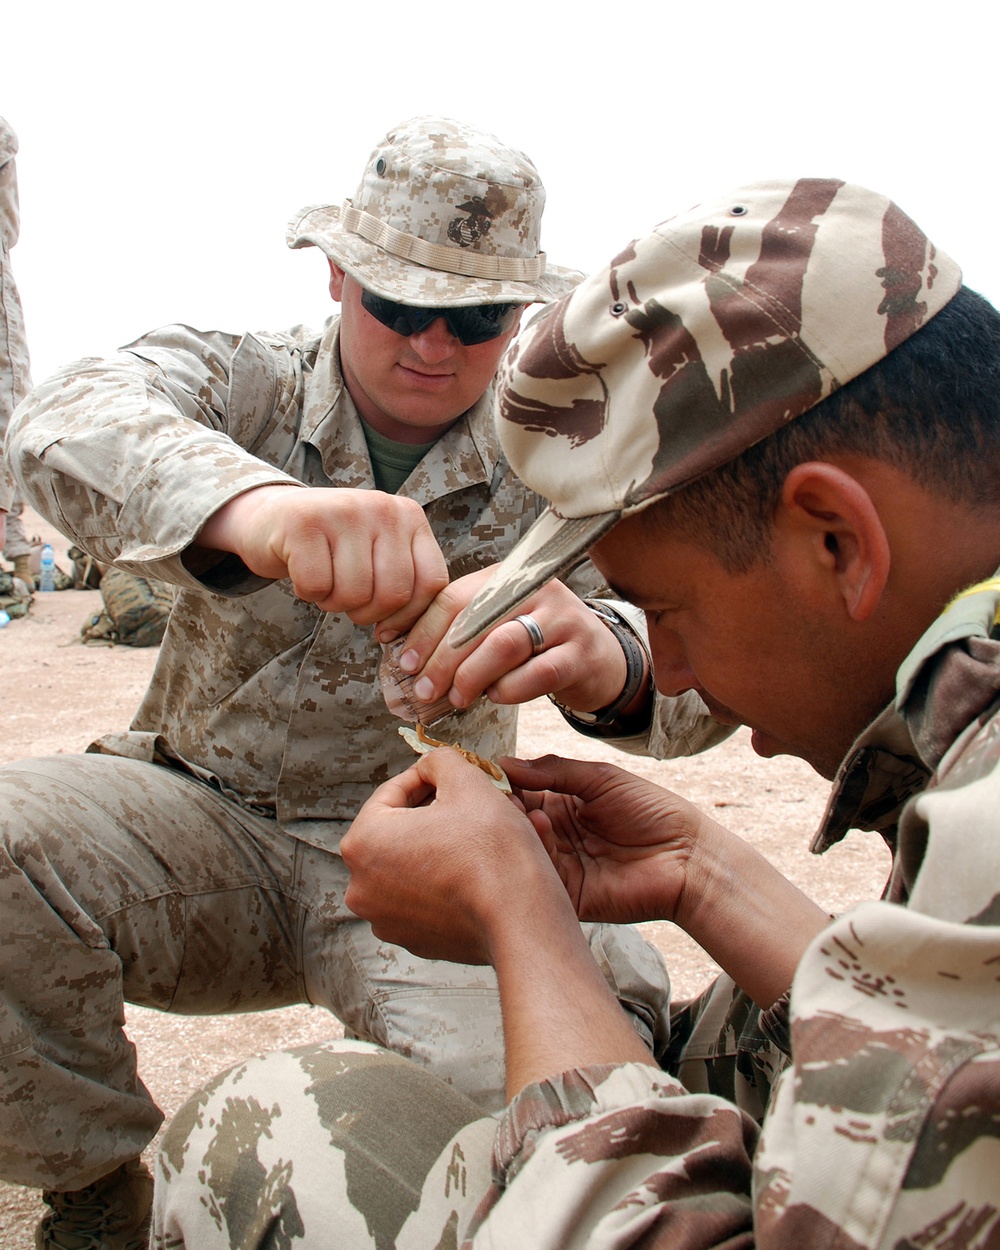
x: 308, y: 495
x: 775, y: 423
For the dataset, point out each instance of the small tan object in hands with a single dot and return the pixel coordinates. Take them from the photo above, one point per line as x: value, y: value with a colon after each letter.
x: 422, y: 743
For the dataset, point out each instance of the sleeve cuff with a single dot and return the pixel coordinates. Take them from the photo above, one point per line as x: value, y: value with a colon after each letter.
x: 574, y: 1095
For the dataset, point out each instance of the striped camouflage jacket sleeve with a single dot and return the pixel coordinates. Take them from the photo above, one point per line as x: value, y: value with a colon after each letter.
x: 883, y: 1135
x: 618, y: 1156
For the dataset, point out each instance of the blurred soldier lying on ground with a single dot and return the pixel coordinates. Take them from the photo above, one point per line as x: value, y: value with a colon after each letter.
x: 775, y: 423
x: 311, y: 496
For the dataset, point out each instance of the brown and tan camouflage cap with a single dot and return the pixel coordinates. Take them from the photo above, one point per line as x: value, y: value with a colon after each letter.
x: 695, y: 342
x: 445, y: 215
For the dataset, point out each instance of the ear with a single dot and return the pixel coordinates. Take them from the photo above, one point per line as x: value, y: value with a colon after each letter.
x: 835, y: 517
x: 337, y: 276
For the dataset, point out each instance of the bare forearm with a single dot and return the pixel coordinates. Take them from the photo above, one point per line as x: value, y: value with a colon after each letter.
x: 558, y: 1011
x: 752, y: 920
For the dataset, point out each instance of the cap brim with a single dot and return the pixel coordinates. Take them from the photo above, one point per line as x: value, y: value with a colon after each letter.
x: 552, y: 547
x: 393, y: 278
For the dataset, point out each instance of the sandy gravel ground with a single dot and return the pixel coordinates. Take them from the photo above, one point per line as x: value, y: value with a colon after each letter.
x: 62, y: 694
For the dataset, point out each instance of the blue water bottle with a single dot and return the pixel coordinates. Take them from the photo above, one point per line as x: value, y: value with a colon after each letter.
x: 47, y: 577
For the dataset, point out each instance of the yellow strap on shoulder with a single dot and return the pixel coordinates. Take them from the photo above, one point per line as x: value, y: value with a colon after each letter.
x: 991, y: 583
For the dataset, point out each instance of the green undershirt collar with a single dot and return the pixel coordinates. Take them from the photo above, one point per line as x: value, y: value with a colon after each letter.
x: 392, y: 462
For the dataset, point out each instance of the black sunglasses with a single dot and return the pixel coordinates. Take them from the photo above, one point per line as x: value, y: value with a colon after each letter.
x: 475, y: 323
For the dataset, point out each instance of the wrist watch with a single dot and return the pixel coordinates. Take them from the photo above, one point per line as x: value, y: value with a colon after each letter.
x: 635, y: 669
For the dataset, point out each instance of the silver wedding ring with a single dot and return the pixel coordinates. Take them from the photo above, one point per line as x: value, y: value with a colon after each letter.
x: 534, y: 633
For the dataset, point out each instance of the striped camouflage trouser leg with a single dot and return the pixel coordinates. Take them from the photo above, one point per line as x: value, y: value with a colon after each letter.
x: 345, y: 1145
x: 341, y: 1144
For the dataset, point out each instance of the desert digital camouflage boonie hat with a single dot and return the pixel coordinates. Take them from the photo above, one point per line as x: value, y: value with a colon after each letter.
x: 694, y: 343
x: 445, y: 215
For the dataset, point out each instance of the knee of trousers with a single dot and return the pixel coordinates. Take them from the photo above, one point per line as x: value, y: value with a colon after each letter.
x: 299, y: 1144
x: 83, y: 843
x: 54, y: 878
x: 638, y: 977
x: 443, y: 1016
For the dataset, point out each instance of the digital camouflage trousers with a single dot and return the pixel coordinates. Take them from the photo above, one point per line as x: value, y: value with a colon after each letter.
x: 129, y: 881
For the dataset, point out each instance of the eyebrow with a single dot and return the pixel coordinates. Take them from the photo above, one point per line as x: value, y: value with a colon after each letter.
x: 624, y: 593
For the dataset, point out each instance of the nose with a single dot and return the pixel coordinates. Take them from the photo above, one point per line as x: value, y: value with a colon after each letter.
x: 434, y: 343
x: 672, y: 674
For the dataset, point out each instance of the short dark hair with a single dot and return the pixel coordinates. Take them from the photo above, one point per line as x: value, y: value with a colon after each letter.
x: 930, y: 408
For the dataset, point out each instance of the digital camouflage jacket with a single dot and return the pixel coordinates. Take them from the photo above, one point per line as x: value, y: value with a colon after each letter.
x: 264, y: 695
x: 885, y: 1129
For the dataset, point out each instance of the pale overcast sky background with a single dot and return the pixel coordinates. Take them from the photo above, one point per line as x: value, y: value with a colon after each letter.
x: 164, y: 146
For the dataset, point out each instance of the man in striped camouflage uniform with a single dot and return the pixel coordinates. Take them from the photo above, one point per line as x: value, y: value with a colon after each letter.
x: 775, y: 423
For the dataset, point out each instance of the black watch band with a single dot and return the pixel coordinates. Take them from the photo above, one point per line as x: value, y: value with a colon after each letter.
x: 635, y: 670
